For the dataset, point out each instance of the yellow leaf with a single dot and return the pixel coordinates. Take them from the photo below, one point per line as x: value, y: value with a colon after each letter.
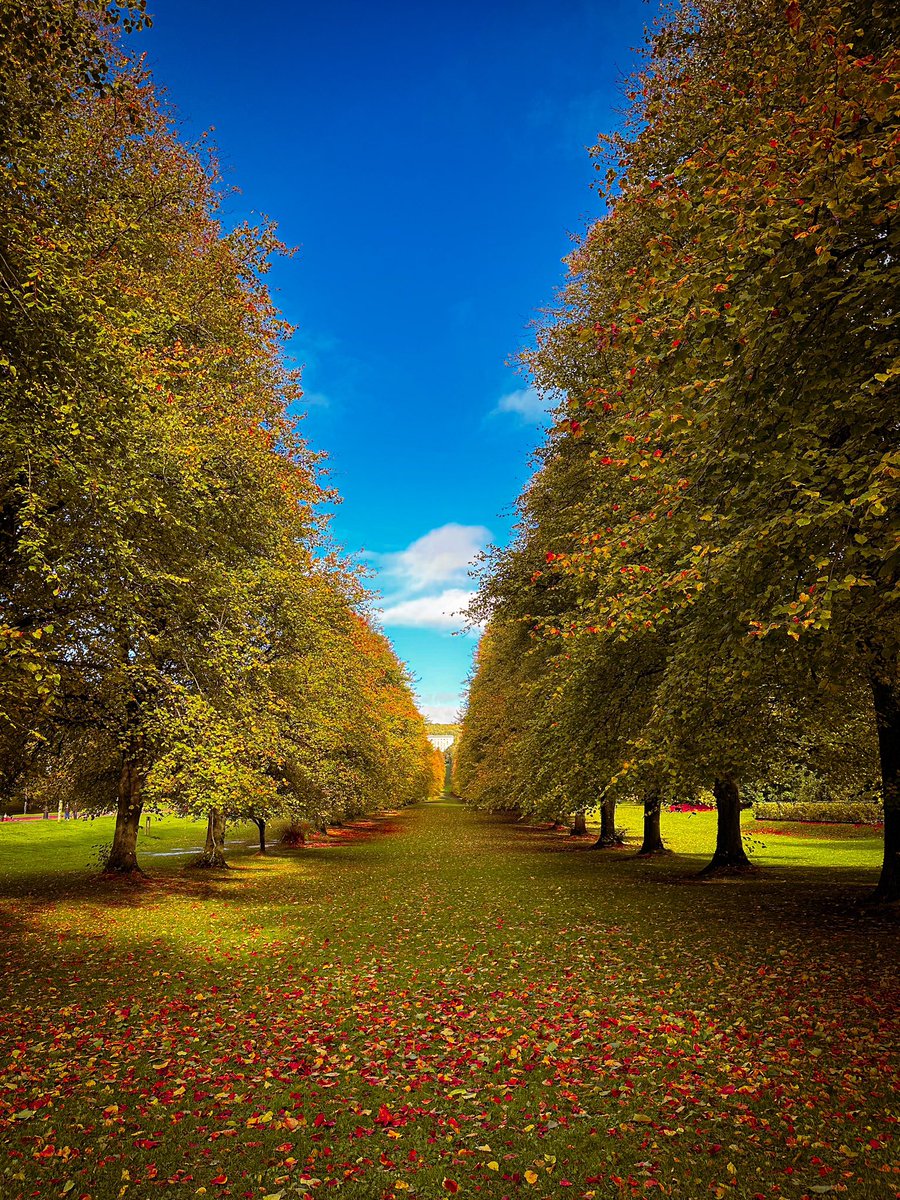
x: 531, y: 1176
x: 495, y: 1166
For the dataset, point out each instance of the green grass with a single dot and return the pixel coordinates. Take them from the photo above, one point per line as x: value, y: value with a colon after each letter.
x: 57, y: 847
x: 771, y: 845
x: 441, y: 996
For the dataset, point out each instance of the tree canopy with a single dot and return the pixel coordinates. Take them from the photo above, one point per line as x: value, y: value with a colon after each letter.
x: 174, y: 613
x: 717, y: 501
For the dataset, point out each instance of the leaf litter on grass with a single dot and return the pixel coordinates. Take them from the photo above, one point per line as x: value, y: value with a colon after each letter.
x: 438, y: 1008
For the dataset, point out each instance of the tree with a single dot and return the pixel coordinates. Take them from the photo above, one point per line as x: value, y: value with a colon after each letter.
x: 169, y: 594
x: 727, y: 350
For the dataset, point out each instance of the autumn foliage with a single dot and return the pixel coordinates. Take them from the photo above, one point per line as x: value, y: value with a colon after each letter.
x: 708, y: 553
x: 177, y: 628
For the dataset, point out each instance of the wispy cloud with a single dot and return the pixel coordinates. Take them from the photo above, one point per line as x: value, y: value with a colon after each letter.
x: 441, y: 714
x: 332, y: 377
x: 441, y: 557
x: 526, y: 403
x: 443, y: 611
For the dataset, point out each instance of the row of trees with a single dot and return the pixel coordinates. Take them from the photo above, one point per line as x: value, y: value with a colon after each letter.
x: 704, y: 587
x: 176, y: 627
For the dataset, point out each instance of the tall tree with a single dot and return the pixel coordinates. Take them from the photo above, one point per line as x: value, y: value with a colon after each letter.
x: 167, y: 587
x: 729, y: 337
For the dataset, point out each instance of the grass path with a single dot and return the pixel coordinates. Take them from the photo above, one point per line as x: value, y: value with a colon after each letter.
x: 441, y: 1002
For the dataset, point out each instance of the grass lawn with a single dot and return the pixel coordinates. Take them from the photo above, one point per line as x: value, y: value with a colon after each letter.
x: 440, y: 1002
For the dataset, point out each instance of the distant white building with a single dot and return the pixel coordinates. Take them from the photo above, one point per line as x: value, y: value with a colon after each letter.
x: 441, y: 741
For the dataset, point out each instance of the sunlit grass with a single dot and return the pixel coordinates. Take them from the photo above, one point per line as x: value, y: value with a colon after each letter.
x: 769, y: 843
x: 416, y: 999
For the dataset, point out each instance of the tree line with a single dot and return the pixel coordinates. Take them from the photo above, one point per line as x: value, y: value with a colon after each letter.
x: 703, y: 590
x: 177, y: 628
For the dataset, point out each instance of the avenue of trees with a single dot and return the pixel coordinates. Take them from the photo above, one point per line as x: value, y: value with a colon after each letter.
x: 703, y: 592
x: 176, y: 628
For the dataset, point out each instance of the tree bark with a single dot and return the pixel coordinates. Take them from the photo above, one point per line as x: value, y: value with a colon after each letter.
x: 652, y: 843
x: 129, y: 803
x: 214, y: 852
x: 729, y: 856
x: 260, y: 823
x: 886, y: 695
x: 579, y: 825
x: 607, y: 836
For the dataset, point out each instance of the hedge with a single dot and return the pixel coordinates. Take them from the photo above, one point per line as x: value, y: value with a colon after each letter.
x: 842, y: 812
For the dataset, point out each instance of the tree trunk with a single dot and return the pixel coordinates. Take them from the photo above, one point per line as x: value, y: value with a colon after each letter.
x: 729, y: 856
x: 607, y: 836
x: 886, y: 694
x: 260, y: 824
x: 652, y: 843
x: 214, y: 852
x: 579, y: 825
x: 123, y: 852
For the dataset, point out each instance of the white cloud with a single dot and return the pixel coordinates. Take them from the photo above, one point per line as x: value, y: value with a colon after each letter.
x: 316, y: 400
x: 442, y: 714
x: 441, y: 556
x: 525, y: 403
x: 443, y: 611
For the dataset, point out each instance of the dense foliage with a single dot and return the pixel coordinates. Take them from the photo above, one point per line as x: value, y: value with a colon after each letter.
x: 176, y: 627
x: 708, y: 556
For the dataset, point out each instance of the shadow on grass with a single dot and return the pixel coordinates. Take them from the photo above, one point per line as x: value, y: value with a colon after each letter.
x: 823, y: 899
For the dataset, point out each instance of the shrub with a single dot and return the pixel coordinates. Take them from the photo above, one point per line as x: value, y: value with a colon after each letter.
x: 842, y: 812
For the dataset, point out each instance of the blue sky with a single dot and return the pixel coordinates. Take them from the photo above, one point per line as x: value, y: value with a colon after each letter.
x: 429, y: 162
